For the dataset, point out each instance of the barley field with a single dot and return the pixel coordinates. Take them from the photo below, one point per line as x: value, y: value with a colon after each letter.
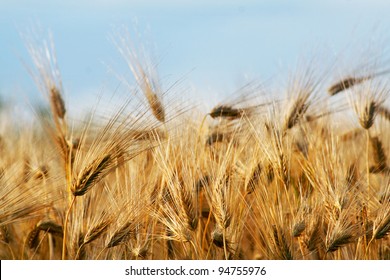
x: 296, y: 171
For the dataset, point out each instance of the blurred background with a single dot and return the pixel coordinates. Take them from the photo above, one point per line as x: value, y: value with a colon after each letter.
x: 211, y: 47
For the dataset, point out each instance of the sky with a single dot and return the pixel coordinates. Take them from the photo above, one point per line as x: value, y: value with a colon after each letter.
x: 212, y: 47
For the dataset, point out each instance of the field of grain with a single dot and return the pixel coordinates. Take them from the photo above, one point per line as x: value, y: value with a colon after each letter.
x: 295, y: 172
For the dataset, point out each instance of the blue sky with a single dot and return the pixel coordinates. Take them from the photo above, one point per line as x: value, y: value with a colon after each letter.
x: 216, y: 46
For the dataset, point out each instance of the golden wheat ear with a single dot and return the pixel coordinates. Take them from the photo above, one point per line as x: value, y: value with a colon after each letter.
x: 144, y: 73
x: 382, y: 228
x: 96, y: 231
x: 301, y: 95
x: 92, y: 174
x: 350, y: 82
x: 224, y: 111
x: 367, y: 102
x: 384, y: 112
x: 121, y: 235
x: 344, y: 85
